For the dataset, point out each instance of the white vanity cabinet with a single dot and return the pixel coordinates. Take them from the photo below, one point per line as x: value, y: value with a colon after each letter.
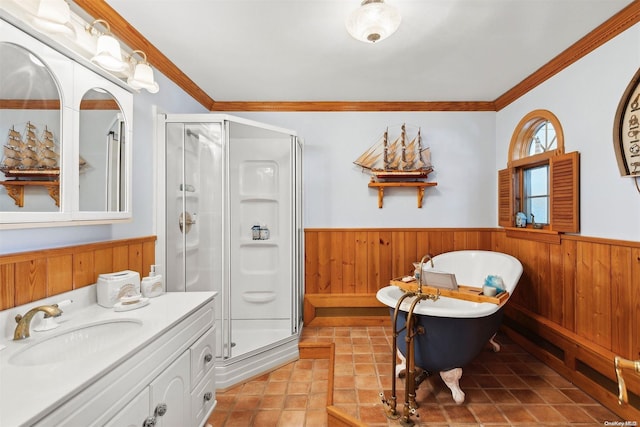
x: 166, y: 380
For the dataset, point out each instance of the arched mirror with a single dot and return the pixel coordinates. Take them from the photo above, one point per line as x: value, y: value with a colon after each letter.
x: 30, y: 123
x: 102, y: 154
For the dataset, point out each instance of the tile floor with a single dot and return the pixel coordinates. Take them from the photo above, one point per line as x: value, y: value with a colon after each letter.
x: 509, y: 388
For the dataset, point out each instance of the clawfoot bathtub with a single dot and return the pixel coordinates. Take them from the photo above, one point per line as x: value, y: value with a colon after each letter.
x: 449, y: 332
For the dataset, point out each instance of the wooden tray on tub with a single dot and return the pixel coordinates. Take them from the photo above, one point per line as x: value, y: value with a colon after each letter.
x: 467, y: 293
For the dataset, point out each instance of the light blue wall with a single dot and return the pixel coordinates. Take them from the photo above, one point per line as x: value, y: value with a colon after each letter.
x: 336, y: 192
x: 585, y: 97
x: 170, y: 99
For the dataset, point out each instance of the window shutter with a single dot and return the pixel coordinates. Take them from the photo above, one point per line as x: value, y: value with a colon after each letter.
x: 565, y: 191
x: 506, y: 214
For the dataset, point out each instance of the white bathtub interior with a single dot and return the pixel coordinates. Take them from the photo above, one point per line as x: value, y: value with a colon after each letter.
x: 222, y: 178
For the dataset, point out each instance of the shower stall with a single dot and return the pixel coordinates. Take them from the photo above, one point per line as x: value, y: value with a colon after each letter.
x: 230, y: 197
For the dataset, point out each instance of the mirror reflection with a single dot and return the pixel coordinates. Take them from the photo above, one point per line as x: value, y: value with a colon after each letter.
x: 102, y: 158
x: 30, y: 120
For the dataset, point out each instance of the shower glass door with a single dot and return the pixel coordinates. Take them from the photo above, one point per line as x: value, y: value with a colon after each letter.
x: 226, y: 178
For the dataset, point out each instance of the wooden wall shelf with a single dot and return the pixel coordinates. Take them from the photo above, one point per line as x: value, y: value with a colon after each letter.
x: 15, y: 189
x: 420, y: 186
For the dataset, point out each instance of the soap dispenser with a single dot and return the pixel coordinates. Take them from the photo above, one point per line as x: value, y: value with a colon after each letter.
x: 152, y: 286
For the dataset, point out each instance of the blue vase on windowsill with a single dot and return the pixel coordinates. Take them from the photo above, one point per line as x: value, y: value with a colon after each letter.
x: 521, y: 220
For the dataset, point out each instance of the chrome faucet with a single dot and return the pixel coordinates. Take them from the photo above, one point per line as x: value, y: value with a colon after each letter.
x: 24, y: 322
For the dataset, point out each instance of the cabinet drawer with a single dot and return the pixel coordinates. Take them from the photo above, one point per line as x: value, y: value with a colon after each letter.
x: 202, y: 356
x: 203, y: 400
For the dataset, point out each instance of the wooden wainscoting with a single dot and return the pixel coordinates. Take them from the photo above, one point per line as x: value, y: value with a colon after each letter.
x: 576, y: 307
x: 344, y: 268
x: 30, y: 276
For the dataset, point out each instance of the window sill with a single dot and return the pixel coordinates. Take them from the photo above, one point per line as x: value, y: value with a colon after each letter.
x: 544, y: 236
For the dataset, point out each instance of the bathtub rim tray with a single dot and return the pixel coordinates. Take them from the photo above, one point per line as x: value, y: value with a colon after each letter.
x: 464, y: 292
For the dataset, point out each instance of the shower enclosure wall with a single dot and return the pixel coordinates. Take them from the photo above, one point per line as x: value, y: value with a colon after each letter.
x: 231, y: 201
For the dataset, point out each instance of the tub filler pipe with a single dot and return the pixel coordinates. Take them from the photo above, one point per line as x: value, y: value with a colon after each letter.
x: 412, y: 381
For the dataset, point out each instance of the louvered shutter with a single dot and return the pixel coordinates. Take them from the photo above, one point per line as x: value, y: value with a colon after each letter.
x: 506, y: 213
x: 565, y: 191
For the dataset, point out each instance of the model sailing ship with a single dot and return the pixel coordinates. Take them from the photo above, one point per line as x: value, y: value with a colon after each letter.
x: 399, y: 159
x: 29, y: 155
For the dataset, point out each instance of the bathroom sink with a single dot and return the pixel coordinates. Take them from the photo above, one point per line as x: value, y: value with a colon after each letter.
x: 76, y: 344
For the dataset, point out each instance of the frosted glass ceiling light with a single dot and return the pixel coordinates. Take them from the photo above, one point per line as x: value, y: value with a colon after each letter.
x: 53, y: 16
x: 108, y: 53
x: 373, y: 21
x: 142, y: 75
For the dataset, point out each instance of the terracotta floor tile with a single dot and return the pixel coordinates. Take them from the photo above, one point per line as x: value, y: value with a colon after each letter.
x: 517, y: 414
x: 487, y: 413
x: 527, y: 396
x: 279, y: 387
x: 372, y: 414
x: 244, y: 403
x: 267, y: 418
x: 552, y: 395
x: 546, y: 414
x: 459, y: 414
x: 316, y: 418
x: 291, y: 419
x: 574, y: 413
x: 510, y: 388
x: 299, y: 388
x: 272, y: 402
x: 317, y: 401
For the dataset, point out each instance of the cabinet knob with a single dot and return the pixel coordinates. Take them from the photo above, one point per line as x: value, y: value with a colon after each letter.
x: 208, y: 357
x: 161, y: 409
x: 149, y: 422
x: 208, y: 396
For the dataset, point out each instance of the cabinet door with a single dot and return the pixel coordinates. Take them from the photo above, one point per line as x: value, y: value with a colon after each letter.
x: 170, y: 395
x: 134, y: 414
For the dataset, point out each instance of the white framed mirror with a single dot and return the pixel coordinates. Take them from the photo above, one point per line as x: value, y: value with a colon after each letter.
x: 55, y: 112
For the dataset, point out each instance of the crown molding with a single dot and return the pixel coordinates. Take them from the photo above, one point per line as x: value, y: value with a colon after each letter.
x: 618, y: 23
x: 343, y: 106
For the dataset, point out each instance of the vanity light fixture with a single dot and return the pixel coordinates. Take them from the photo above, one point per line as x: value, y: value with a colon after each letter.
x: 142, y: 74
x: 108, y: 52
x: 53, y: 16
x: 373, y: 21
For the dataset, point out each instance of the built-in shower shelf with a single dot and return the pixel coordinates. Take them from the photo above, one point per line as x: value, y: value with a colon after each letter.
x: 270, y: 199
x: 250, y: 242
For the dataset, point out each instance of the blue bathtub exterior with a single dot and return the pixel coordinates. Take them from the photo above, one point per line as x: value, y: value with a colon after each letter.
x: 447, y: 343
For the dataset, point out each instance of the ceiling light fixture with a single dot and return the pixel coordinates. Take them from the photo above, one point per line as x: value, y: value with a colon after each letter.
x: 142, y: 74
x: 373, y: 21
x: 108, y: 52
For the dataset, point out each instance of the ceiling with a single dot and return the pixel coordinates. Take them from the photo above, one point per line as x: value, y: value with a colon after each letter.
x: 299, y: 50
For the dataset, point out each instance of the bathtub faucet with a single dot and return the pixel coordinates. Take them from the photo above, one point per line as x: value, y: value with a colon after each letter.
x: 424, y: 258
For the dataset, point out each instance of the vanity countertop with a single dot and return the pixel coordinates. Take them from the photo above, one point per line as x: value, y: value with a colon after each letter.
x: 28, y: 393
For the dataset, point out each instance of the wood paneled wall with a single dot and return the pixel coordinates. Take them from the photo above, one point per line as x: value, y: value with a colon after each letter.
x: 30, y: 276
x: 361, y: 261
x: 577, y: 303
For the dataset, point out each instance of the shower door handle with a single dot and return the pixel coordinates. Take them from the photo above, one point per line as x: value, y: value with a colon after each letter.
x: 185, y: 221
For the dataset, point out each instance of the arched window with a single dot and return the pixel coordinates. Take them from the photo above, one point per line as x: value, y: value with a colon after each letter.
x: 540, y: 181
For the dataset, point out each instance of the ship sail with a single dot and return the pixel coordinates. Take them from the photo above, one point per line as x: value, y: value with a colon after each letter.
x: 30, y: 155
x: 402, y: 158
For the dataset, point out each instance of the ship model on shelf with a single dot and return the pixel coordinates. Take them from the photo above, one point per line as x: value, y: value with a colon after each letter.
x: 30, y: 156
x: 404, y: 158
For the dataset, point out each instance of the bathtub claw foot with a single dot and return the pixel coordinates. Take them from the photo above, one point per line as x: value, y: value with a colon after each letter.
x: 452, y: 379
x: 402, y: 366
x: 495, y: 345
